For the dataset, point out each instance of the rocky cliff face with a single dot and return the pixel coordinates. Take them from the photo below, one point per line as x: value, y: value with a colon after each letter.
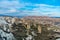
x: 5, y: 33
x: 27, y: 29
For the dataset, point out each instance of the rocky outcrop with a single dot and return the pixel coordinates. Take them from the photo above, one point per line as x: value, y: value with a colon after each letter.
x: 37, y: 28
x: 5, y: 33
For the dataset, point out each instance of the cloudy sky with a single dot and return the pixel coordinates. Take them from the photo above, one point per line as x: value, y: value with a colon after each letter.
x: 30, y: 7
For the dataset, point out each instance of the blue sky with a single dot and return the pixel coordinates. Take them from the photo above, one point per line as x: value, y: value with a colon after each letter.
x: 30, y: 7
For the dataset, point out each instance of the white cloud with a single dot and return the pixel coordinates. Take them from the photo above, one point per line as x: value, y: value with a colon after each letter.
x: 47, y: 10
x: 13, y: 6
x: 44, y: 10
x: 41, y: 9
x: 12, y: 10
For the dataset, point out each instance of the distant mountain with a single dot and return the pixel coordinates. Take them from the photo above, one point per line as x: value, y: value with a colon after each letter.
x: 55, y: 17
x: 11, y: 15
x: 2, y: 15
x: 23, y: 15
